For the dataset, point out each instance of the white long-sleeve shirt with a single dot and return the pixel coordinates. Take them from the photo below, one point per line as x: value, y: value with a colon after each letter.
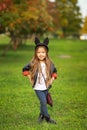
x: 40, y: 83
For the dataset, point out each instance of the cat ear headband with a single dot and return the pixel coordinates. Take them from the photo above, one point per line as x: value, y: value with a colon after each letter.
x: 38, y: 43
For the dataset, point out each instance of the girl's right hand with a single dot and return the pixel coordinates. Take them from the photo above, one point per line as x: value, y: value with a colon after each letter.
x: 30, y: 79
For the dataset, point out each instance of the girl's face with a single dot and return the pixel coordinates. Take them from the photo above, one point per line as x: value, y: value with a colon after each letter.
x: 41, y: 53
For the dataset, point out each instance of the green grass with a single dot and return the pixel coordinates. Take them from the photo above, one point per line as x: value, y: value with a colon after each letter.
x: 19, y: 106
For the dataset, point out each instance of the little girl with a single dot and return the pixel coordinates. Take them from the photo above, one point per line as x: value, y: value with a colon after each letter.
x: 41, y: 73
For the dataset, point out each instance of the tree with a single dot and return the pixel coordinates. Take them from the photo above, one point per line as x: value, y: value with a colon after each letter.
x: 54, y: 12
x: 22, y: 18
x: 70, y: 17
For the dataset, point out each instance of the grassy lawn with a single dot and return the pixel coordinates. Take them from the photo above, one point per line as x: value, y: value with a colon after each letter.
x: 19, y: 106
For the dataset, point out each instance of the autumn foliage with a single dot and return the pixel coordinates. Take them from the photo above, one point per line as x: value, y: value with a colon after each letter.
x: 22, y: 18
x: 25, y: 17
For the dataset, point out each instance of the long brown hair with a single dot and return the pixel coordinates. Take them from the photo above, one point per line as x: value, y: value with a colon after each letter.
x: 35, y: 65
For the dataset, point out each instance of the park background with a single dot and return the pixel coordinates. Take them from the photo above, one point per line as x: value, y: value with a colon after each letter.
x: 62, y: 22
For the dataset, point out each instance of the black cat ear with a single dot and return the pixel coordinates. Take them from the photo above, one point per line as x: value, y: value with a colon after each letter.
x: 46, y: 41
x: 37, y: 40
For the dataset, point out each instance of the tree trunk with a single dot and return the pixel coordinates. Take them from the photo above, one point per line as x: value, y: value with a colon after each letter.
x: 7, y: 48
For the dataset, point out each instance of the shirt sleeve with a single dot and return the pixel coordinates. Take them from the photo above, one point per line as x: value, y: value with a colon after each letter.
x: 53, y: 71
x: 25, y: 70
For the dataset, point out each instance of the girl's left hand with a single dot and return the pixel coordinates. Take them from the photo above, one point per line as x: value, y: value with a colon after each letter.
x: 51, y: 81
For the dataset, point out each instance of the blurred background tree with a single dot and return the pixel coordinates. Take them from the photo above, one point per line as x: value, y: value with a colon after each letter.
x: 70, y: 17
x: 23, y: 18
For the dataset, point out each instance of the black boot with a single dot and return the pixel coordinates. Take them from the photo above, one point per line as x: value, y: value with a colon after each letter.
x: 49, y: 120
x: 41, y: 117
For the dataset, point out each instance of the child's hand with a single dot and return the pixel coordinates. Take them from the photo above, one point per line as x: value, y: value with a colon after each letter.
x: 29, y: 79
x: 51, y: 81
